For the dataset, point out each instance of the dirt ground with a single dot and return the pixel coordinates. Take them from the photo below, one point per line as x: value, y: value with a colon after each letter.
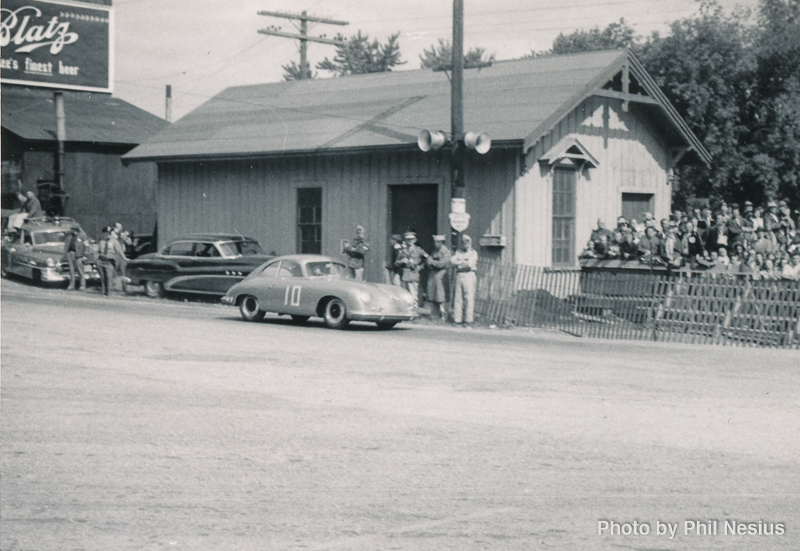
x: 137, y: 424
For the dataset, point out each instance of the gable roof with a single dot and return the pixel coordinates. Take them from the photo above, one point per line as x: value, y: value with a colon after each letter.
x: 513, y: 101
x: 96, y: 118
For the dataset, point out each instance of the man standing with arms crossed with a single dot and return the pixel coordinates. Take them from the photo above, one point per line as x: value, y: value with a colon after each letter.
x: 466, y: 263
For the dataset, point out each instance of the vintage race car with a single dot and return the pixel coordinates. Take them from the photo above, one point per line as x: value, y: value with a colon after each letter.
x: 36, y: 251
x: 305, y: 286
x: 206, y: 264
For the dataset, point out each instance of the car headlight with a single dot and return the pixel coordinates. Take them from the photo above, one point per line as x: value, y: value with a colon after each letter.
x: 364, y: 297
x: 51, y: 263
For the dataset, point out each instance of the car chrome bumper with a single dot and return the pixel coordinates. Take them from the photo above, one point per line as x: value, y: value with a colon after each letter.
x: 228, y: 300
x: 369, y: 316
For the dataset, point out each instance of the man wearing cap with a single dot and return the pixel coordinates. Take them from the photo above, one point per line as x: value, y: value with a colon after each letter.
x: 438, y: 262
x: 466, y: 263
x: 74, y: 252
x: 105, y: 260
x: 356, y: 251
x: 409, y: 260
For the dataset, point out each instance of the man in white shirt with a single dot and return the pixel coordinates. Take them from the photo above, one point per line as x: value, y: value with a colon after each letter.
x: 466, y: 263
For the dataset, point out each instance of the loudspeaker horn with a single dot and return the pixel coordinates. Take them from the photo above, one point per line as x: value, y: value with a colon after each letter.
x: 479, y: 142
x: 430, y: 139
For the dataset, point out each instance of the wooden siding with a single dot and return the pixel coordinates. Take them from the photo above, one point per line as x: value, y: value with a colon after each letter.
x: 101, y: 190
x: 631, y: 159
x: 258, y: 197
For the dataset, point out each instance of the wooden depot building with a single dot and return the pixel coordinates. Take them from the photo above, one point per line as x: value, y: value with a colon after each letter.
x: 298, y: 164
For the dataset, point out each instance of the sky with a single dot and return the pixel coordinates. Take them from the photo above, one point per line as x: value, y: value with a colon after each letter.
x: 201, y: 47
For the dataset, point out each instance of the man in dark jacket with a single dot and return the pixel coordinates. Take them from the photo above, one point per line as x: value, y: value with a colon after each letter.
x: 356, y: 251
x: 32, y: 206
x: 438, y: 262
x: 74, y: 252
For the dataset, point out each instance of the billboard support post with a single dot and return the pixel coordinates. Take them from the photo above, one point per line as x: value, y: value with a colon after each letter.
x: 61, y: 136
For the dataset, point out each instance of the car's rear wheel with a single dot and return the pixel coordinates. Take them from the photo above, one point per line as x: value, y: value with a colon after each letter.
x: 336, y: 314
x: 250, y: 309
x: 154, y: 289
x: 385, y: 325
x: 300, y: 319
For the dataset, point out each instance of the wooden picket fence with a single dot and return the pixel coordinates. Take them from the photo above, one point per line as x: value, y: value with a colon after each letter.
x: 682, y: 307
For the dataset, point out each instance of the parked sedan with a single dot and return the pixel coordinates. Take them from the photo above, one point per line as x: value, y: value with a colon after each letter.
x: 305, y: 286
x: 37, y: 249
x: 206, y: 264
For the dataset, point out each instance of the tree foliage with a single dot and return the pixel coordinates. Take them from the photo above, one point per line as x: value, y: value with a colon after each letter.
x: 616, y: 35
x: 295, y: 71
x: 440, y: 56
x: 359, y: 55
x: 736, y: 82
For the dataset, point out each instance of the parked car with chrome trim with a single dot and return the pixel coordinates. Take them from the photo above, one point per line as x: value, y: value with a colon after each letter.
x: 305, y: 286
x: 36, y: 251
x: 204, y: 264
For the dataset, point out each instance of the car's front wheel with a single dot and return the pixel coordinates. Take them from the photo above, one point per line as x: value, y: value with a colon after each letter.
x: 154, y: 289
x: 250, y: 309
x: 336, y: 314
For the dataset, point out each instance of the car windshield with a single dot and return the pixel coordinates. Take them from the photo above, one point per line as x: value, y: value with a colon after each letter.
x: 240, y: 248
x: 47, y: 237
x: 321, y: 269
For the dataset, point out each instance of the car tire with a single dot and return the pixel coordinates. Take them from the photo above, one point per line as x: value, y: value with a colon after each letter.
x: 154, y: 289
x: 385, y: 325
x: 300, y: 319
x: 250, y: 309
x: 336, y: 314
x: 36, y: 277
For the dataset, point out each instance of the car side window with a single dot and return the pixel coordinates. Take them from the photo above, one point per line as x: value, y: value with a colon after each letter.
x: 271, y: 270
x: 290, y: 268
x: 205, y: 250
x: 182, y: 248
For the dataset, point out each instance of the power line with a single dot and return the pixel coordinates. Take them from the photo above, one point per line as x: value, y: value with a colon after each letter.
x: 304, y: 38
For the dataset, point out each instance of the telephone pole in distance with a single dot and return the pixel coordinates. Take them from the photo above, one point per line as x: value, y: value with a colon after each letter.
x: 303, y: 36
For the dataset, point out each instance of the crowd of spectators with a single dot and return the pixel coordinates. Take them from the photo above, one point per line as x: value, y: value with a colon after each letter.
x: 762, y: 242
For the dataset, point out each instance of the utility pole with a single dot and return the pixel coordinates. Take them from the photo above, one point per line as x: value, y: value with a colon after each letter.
x: 303, y: 37
x: 457, y: 100
x: 168, y: 105
x: 61, y: 137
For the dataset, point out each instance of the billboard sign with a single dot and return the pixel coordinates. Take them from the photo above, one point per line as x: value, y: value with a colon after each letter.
x: 65, y: 45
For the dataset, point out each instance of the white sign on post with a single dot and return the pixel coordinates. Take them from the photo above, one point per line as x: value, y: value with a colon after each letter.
x: 459, y: 221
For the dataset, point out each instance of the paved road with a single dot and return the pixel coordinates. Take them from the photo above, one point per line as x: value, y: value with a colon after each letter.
x: 131, y: 424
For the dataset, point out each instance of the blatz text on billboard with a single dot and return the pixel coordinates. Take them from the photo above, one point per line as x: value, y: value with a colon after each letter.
x: 56, y: 44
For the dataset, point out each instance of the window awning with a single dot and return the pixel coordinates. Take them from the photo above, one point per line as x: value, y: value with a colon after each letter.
x: 569, y: 151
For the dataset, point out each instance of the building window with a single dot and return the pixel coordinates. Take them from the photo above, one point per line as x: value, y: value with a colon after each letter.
x: 634, y: 205
x: 309, y: 220
x: 564, y: 181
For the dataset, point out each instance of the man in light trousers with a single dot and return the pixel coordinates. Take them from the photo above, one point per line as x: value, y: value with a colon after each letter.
x: 466, y: 264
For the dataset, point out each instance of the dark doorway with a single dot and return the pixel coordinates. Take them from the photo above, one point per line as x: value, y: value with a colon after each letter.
x: 415, y: 207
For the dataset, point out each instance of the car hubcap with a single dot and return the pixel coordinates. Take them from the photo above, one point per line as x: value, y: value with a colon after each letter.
x: 250, y: 305
x: 335, y: 311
